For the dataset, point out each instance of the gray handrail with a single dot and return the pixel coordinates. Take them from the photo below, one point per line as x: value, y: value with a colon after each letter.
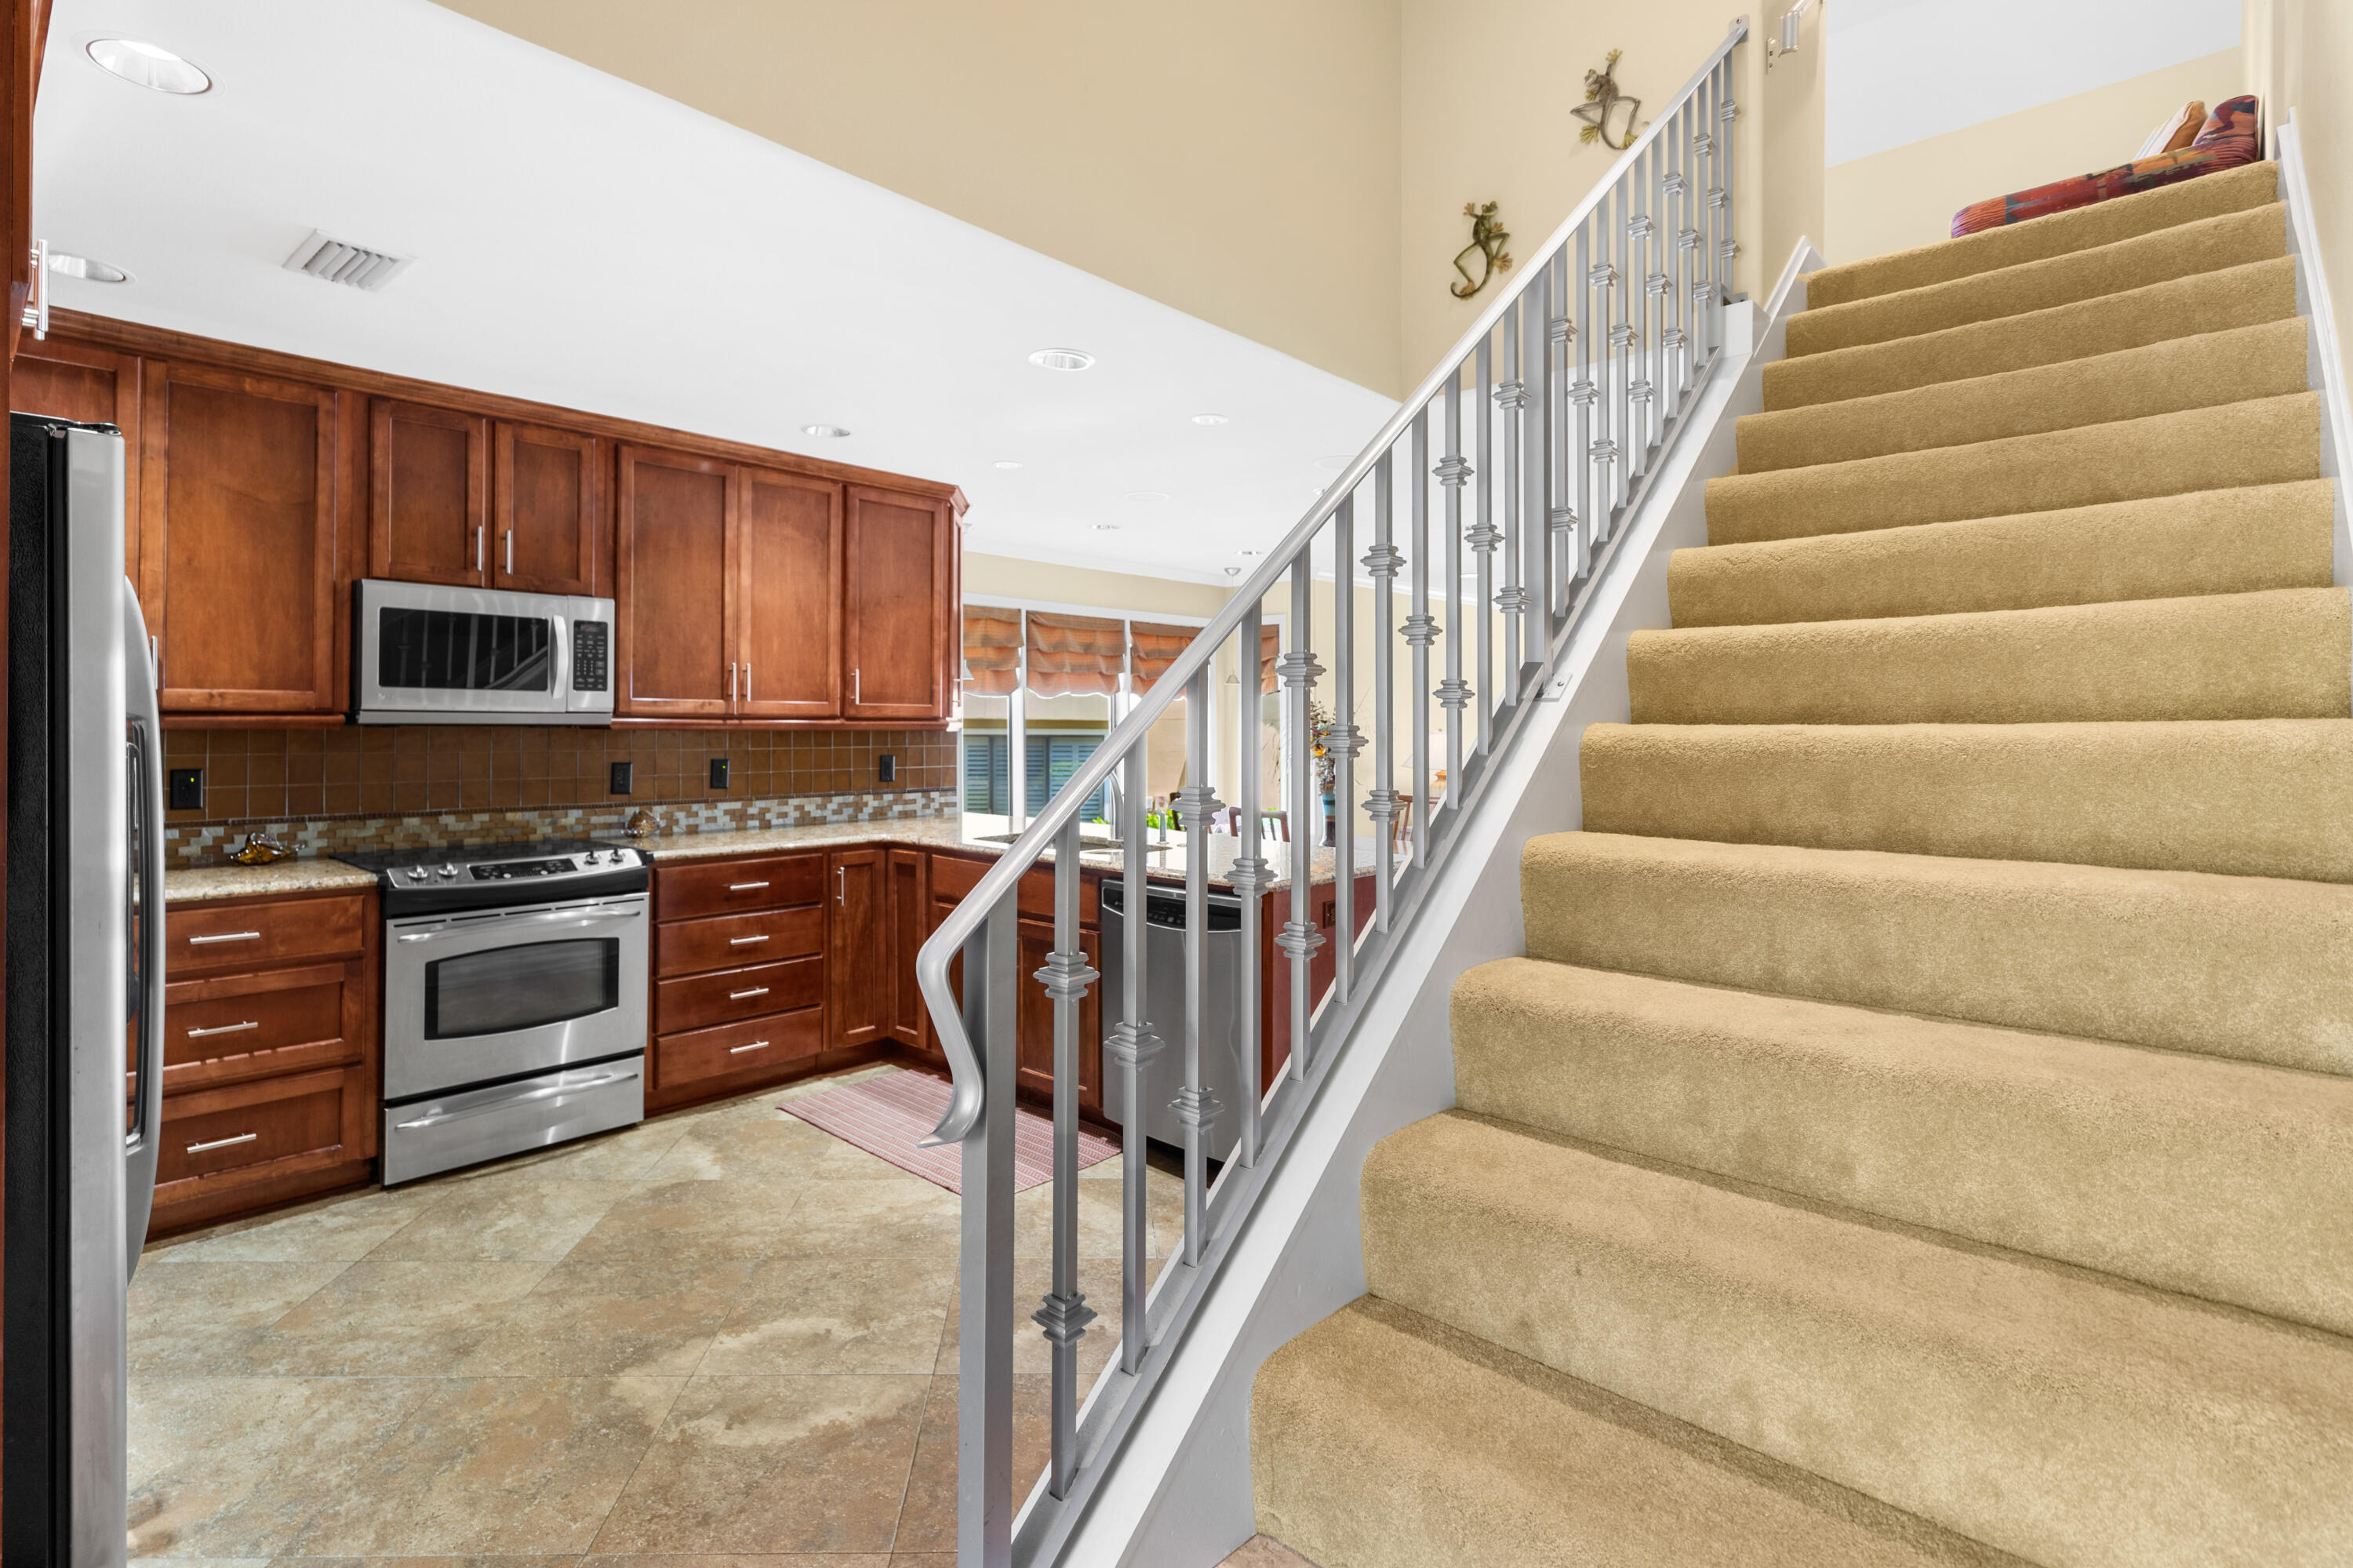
x: 941, y: 947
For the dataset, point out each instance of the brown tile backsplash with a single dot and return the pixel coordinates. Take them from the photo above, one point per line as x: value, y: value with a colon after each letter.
x: 289, y: 777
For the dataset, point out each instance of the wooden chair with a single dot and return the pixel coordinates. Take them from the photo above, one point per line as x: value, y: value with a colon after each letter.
x: 1275, y: 825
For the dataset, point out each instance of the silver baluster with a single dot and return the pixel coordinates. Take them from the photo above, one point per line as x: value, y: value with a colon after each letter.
x: 1535, y: 540
x: 1420, y: 632
x: 1128, y: 1047
x: 1510, y: 393
x: 1381, y: 804
x: 1196, y: 1109
x: 1064, y: 1316
x: 1581, y: 399
x: 984, y: 1263
x: 1300, y: 939
x: 1344, y: 742
x: 1251, y: 875
x: 1454, y: 692
x: 1484, y: 539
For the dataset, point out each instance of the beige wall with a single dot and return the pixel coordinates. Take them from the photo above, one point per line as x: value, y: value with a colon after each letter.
x: 1007, y: 576
x: 1233, y: 159
x: 2298, y: 54
x: 1906, y: 195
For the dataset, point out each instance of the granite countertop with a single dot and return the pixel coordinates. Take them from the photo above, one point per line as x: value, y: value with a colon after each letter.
x: 306, y: 875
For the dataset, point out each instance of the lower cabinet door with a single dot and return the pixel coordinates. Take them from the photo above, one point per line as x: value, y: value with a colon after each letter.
x: 243, y: 1145
x: 746, y: 1050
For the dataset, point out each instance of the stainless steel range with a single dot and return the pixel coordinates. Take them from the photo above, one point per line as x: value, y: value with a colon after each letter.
x: 515, y: 998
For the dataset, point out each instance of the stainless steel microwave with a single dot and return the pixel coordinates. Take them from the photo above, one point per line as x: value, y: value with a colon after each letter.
x: 430, y: 654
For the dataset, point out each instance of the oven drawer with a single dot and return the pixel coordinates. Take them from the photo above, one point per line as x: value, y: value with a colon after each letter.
x: 253, y: 936
x: 326, y: 1115
x: 698, y: 1002
x: 737, y: 1048
x: 441, y: 1132
x: 241, y: 1027
x: 731, y: 941
x: 686, y: 891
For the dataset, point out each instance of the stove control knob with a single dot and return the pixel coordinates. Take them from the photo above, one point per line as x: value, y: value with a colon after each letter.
x: 449, y: 871
x: 415, y: 873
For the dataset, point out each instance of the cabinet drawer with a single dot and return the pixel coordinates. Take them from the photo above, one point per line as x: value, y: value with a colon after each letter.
x: 243, y: 1025
x: 731, y: 941
x: 753, y: 1046
x: 216, y: 1130
x: 953, y: 878
x: 684, y: 892
x: 698, y: 1002
x: 252, y: 936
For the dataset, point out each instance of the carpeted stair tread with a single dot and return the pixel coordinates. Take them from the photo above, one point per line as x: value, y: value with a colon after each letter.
x: 2217, y: 1179
x: 2203, y: 302
x: 2241, y: 967
x: 2232, y: 240
x: 2240, y: 798
x: 1382, y: 1438
x: 2281, y: 653
x: 2062, y: 1416
x: 2084, y: 228
x: 2243, y: 540
x: 2263, y: 361
x: 2262, y: 441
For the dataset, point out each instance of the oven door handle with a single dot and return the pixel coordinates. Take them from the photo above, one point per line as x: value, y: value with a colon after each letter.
x: 551, y: 917
x: 525, y: 1097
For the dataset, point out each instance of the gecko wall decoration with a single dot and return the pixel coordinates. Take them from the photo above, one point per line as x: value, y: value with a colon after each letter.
x: 1488, y: 239
x: 1601, y: 100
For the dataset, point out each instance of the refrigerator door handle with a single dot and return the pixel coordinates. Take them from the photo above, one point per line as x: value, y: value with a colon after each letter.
x: 142, y: 1147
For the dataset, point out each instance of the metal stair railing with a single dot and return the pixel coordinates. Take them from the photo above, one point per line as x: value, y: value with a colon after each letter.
x: 1576, y: 378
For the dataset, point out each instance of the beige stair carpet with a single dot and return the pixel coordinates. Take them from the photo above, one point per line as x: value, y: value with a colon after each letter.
x: 1922, y: 1126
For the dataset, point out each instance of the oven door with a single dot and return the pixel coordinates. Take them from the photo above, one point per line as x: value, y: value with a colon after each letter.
x: 475, y: 998
x: 428, y: 653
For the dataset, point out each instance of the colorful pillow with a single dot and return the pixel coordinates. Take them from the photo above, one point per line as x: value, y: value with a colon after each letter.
x: 2231, y: 136
x: 2175, y: 133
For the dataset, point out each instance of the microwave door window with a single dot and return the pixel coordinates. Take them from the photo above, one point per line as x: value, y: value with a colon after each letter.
x: 501, y: 989
x: 461, y: 651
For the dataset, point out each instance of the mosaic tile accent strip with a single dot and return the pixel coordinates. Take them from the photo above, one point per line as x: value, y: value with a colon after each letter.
x: 188, y: 845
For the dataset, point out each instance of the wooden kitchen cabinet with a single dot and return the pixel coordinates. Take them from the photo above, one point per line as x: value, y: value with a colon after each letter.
x: 906, y: 920
x: 739, y: 968
x: 238, y: 540
x: 858, y: 976
x: 95, y: 386
x: 900, y: 604
x: 543, y: 508
x: 428, y: 494
x: 788, y: 597
x: 269, y: 1053
x: 953, y: 877
x: 674, y: 577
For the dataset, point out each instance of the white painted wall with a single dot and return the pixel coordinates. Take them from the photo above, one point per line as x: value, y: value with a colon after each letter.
x: 1901, y: 71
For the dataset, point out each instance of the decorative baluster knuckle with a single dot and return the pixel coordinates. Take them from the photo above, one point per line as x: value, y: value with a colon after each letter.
x: 1064, y: 1318
x: 1715, y: 196
x: 1511, y: 395
x: 1066, y: 975
x: 1344, y: 740
x: 1196, y: 1108
x: 1131, y: 1045
x: 1299, y: 939
x: 1583, y: 393
x: 1562, y: 519
x: 1704, y: 145
x: 1603, y: 450
x: 1559, y: 330
x: 1639, y: 391
x: 1512, y: 600
x: 1655, y: 284
x: 1686, y: 238
x: 1383, y: 561
x: 1421, y: 631
x: 1729, y: 112
x: 1603, y: 276
x: 1453, y: 472
x: 1728, y: 249
x: 1674, y: 337
x: 1383, y: 805
x: 1298, y: 669
x: 1250, y: 876
x: 1196, y: 804
x: 1454, y: 692
x: 1483, y: 537
x: 1671, y: 183
x: 1623, y: 335
x: 1639, y: 227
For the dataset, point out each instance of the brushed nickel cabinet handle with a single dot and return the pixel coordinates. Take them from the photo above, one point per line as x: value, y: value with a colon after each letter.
x: 224, y: 1028
x: 853, y: 686
x: 842, y: 886
x: 222, y: 1142
x: 478, y: 546
x: 744, y: 941
x: 740, y: 995
x: 510, y: 551
x: 755, y: 1045
x: 747, y: 680
x: 225, y: 937
x: 731, y: 682
x: 746, y: 886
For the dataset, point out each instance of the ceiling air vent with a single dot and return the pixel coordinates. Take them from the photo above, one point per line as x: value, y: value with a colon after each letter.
x: 341, y: 262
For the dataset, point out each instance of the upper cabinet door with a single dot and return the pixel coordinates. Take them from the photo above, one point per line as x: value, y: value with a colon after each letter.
x: 789, y: 558
x: 673, y: 574
x: 899, y: 605
x: 428, y: 494
x: 95, y: 386
x: 238, y: 538
x: 544, y: 510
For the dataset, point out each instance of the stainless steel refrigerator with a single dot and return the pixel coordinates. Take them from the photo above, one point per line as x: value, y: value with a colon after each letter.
x: 85, y: 992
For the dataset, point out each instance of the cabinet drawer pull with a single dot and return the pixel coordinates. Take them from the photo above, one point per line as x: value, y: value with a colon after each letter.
x: 740, y: 995
x: 510, y: 551
x: 744, y: 941
x: 746, y: 886
x: 222, y: 1142
x: 478, y: 547
x: 225, y: 937
x: 224, y: 1028
x: 755, y: 1045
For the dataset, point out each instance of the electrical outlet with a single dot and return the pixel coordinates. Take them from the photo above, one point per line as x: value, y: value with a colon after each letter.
x: 186, y: 786
x: 624, y: 777
x: 889, y: 767
x: 719, y: 773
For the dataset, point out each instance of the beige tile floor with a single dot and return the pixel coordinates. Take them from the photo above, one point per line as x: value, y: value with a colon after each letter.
x: 721, y: 1334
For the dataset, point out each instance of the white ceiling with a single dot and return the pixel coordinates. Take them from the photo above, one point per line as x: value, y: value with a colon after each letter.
x: 584, y: 243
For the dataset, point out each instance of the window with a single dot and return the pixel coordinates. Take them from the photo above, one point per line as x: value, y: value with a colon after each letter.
x: 1053, y: 760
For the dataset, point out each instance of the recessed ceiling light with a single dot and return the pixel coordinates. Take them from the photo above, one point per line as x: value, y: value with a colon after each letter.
x: 1062, y: 358
x: 1252, y: 552
x: 1210, y: 418
x: 1147, y: 495
x: 832, y: 432
x: 1233, y: 571
x: 148, y: 65
x: 74, y: 266
x: 1008, y: 464
x: 1106, y: 527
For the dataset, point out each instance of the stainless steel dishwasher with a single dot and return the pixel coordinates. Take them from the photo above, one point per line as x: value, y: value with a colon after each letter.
x: 1164, y: 1009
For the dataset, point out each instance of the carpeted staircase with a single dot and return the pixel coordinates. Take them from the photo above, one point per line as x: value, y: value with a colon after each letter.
x: 1921, y: 1130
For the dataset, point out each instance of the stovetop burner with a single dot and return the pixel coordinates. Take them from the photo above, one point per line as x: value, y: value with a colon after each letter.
x: 434, y: 879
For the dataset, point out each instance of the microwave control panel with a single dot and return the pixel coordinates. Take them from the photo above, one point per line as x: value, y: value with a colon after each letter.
x: 592, y: 655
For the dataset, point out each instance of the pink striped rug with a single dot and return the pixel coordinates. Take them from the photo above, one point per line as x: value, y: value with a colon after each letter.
x: 889, y: 1116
